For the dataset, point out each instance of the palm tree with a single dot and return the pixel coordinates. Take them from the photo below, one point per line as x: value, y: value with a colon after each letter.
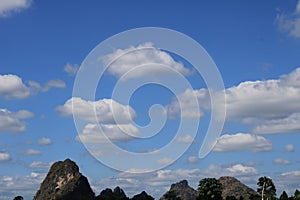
x: 266, y: 187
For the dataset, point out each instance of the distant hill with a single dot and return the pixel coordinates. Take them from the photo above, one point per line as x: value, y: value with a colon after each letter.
x: 65, y: 182
x: 183, y: 191
x: 233, y: 187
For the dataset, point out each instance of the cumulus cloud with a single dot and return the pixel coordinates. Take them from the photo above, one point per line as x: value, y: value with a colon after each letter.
x: 13, y: 87
x: 105, y: 110
x: 253, y: 102
x: 93, y: 133
x: 8, y: 7
x: 290, y: 148
x: 4, y: 156
x: 290, y: 23
x: 280, y: 161
x: 288, y: 124
x: 44, y: 141
x: 11, y: 121
x: 242, y: 142
x: 30, y: 152
x: 121, y: 61
x: 71, y: 69
x: 187, y: 108
x: 193, y: 159
x: 11, y: 186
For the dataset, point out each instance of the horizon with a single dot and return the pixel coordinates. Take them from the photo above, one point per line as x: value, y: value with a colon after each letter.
x: 185, y: 58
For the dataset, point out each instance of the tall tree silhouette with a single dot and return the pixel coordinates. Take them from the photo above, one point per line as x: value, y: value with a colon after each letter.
x: 266, y: 187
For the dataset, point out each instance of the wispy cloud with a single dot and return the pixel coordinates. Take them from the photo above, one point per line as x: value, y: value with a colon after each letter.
x: 71, y: 69
x: 290, y: 23
x: 30, y: 152
x: 7, y: 7
x: 11, y: 121
x: 39, y: 165
x: 44, y: 141
x: 281, y: 161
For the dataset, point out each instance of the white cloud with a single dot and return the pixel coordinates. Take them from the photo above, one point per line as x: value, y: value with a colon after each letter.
x: 105, y: 110
x: 30, y: 152
x: 9, y: 6
x: 11, y: 186
x: 54, y: 84
x: 39, y: 164
x: 158, y: 182
x: 290, y: 148
x: 242, y: 142
x: 121, y: 61
x: 91, y: 133
x: 193, y: 159
x: 44, y: 141
x: 242, y: 169
x: 253, y: 99
x: 10, y: 121
x: 12, y: 87
x: 280, y: 161
x: 290, y: 23
x: 70, y: 69
x: 185, y: 139
x: 187, y: 108
x: 288, y: 181
x: 165, y: 161
x: 288, y: 124
x: 4, y: 156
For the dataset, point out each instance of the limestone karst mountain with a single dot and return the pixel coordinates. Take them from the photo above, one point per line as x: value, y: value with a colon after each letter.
x: 64, y: 182
x: 108, y: 194
x: 142, y: 196
x: 233, y: 187
x: 183, y: 191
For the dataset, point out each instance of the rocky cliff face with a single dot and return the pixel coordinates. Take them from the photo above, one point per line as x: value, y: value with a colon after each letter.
x: 183, y: 191
x: 108, y: 194
x: 233, y: 187
x: 64, y: 182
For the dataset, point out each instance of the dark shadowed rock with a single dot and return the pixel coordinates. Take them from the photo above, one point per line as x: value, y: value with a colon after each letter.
x: 64, y: 182
x: 183, y: 191
x: 233, y: 187
x: 142, y: 196
x: 108, y: 194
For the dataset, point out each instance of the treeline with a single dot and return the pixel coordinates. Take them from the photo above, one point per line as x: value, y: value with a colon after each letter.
x: 211, y: 189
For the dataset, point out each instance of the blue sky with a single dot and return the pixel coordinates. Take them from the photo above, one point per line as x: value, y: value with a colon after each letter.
x: 254, y: 44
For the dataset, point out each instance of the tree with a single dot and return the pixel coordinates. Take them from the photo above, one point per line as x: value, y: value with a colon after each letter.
x: 266, y: 188
x: 18, y: 198
x: 210, y: 189
x: 284, y: 196
x: 297, y: 195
